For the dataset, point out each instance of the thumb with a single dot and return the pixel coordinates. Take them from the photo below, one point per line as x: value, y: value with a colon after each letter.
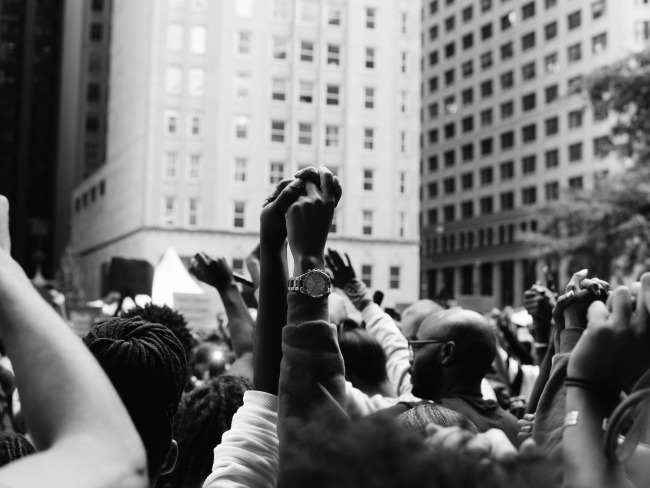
x: 5, y: 239
x: 289, y: 195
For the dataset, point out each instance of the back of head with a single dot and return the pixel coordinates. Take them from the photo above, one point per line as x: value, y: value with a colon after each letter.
x: 203, y: 416
x: 146, y: 364
x: 414, y: 314
x: 364, y: 357
x: 14, y: 446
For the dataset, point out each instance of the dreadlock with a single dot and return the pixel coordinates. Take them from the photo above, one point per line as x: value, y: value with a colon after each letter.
x: 14, y: 446
x: 203, y: 416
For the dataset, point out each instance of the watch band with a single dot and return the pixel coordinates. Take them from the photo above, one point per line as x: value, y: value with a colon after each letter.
x: 297, y: 283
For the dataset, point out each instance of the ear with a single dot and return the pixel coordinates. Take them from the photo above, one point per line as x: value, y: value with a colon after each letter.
x: 170, y: 461
x: 448, y: 353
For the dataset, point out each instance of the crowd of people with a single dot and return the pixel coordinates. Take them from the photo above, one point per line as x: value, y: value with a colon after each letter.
x: 301, y: 393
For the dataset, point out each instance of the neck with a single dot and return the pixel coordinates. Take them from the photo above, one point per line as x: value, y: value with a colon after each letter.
x: 457, y: 388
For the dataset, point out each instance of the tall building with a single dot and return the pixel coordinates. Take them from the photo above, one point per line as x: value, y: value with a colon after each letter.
x: 30, y: 39
x: 212, y: 103
x: 506, y: 129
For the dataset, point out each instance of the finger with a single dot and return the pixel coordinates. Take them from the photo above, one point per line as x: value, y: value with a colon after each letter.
x: 621, y: 306
x: 347, y: 258
x: 336, y: 259
x: 558, y: 311
x: 597, y: 314
x: 576, y: 279
x: 605, y: 285
x: 502, y: 449
x: 326, y: 183
x: 593, y: 286
x: 5, y: 238
x: 204, y: 259
x: 528, y: 449
x: 338, y: 190
x: 290, y: 194
x: 313, y: 192
x: 308, y: 174
x: 452, y: 437
x: 642, y: 314
x: 277, y: 190
x: 530, y: 417
x: 329, y: 263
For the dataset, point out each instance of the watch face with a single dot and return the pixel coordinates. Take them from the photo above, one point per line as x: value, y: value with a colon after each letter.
x: 315, y: 284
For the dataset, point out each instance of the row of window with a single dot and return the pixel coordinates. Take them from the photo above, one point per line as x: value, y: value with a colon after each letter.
x: 90, y: 196
x: 602, y: 146
x: 527, y: 10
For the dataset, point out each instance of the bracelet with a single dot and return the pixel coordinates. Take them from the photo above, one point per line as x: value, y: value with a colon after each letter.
x: 571, y: 418
x: 592, y: 387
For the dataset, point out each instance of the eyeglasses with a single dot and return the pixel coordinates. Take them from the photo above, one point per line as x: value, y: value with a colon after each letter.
x: 627, y: 427
x: 415, y: 345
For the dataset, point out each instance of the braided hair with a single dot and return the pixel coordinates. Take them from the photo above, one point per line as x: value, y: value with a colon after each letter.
x: 146, y: 364
x: 203, y: 416
x: 14, y: 446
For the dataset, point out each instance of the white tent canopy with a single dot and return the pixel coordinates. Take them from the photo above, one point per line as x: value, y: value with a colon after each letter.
x: 169, y: 277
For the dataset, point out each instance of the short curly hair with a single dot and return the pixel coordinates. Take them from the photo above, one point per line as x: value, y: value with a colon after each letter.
x: 170, y: 318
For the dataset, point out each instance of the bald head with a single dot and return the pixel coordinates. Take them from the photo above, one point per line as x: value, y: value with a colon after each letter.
x: 414, y: 314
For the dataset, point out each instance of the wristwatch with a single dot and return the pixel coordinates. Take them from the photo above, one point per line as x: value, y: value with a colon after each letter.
x: 314, y: 283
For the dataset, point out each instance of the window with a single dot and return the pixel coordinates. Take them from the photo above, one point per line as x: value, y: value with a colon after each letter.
x: 195, y: 126
x: 550, y: 3
x: 552, y: 126
x: 307, y: 51
x: 194, y: 167
x: 276, y: 173
x: 240, y: 170
x: 574, y: 53
x: 331, y: 136
x: 367, y: 223
x: 486, y: 89
x: 169, y: 211
x: 370, y: 58
x: 467, y: 181
x: 280, y: 48
x: 467, y: 209
x: 433, y: 163
x: 173, y: 80
x: 279, y: 89
x: 332, y: 96
x: 573, y: 20
x: 278, y: 130
x: 97, y: 5
x: 196, y: 82
x: 552, y: 191
x: 602, y: 146
x: 449, y: 185
x: 487, y: 176
x: 334, y: 16
x: 575, y: 152
x: 486, y: 117
x: 507, y: 201
x: 432, y: 190
x: 468, y: 124
x: 507, y: 109
x: 450, y: 105
x: 529, y: 195
x: 433, y: 58
x: 575, y: 119
x: 241, y: 126
x: 404, y: 62
x: 486, y: 146
x: 468, y: 41
x: 366, y: 274
x: 507, y: 140
x: 450, y: 158
x: 551, y: 65
x: 368, y: 175
x: 394, y: 277
x: 371, y: 17
x: 96, y: 32
x: 552, y: 158
x: 505, y: 20
x: 243, y: 43
x: 305, y: 133
x: 467, y: 68
x: 175, y: 38
x: 171, y: 165
x: 402, y: 182
x: 486, y: 5
x: 486, y: 60
x: 529, y: 133
x: 306, y: 92
x: 507, y: 80
x: 528, y: 71
x: 529, y: 164
x: 171, y: 121
x: 641, y: 31
x: 450, y: 50
x: 450, y: 23
x: 404, y: 23
x: 528, y: 10
x: 368, y: 138
x: 198, y: 37
x: 281, y: 9
x: 308, y: 11
x: 507, y: 51
x: 93, y: 92
x: 467, y: 96
x: 449, y: 77
x: 550, y: 31
x: 242, y: 85
x: 467, y: 152
x: 599, y: 43
x: 574, y: 85
x: 528, y: 41
x: 433, y: 136
x: 467, y: 13
x: 528, y: 102
x: 333, y: 54
x: 576, y: 183
x: 486, y: 31
x: 239, y: 214
x: 403, y: 106
x: 449, y: 213
x: 433, y: 84
x: 551, y: 93
x: 507, y: 170
x: 597, y: 9
x: 433, y: 32
x: 487, y: 205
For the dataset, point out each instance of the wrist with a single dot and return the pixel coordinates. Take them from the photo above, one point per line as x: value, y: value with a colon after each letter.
x: 303, y: 263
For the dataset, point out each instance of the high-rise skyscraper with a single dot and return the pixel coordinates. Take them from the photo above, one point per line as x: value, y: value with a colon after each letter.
x: 506, y: 129
x: 212, y: 103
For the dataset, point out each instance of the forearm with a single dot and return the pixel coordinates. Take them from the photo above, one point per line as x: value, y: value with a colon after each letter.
x: 271, y: 317
x: 240, y: 322
x: 302, y: 308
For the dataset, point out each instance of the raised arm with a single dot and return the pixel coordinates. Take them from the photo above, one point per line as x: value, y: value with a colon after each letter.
x: 76, y: 418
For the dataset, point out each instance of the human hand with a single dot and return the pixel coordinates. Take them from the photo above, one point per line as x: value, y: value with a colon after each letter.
x: 309, y: 218
x: 571, y: 308
x: 214, y: 272
x: 273, y: 225
x: 526, y: 426
x: 253, y: 264
x: 539, y: 302
x: 613, y: 351
x: 341, y: 273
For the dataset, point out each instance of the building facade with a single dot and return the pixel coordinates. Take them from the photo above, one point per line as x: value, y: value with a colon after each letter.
x: 506, y: 129
x: 212, y: 103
